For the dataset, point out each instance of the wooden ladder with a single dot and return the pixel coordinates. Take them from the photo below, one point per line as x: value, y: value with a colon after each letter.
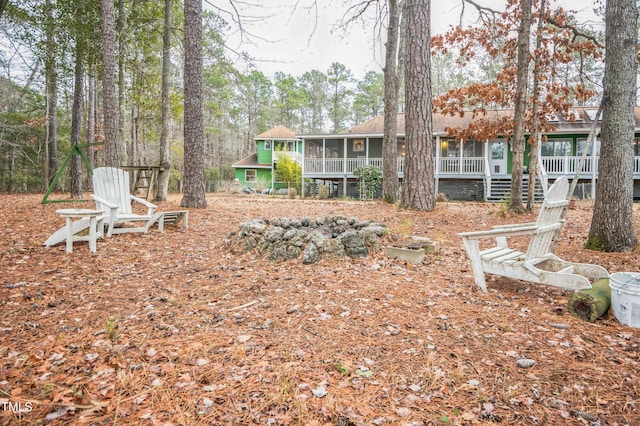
x: 145, y: 177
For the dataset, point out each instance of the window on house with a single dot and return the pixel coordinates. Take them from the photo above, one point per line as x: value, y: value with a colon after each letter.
x: 556, y: 148
x: 267, y: 145
x: 250, y: 175
x: 313, y: 149
x: 636, y: 147
x: 472, y: 148
x: 583, y: 142
x: 334, y: 148
x: 453, y: 148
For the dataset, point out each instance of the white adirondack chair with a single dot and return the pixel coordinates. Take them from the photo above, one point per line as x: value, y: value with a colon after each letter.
x: 538, y: 264
x: 112, y: 195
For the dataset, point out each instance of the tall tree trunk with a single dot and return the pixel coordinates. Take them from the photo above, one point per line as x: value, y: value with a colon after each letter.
x: 390, y: 138
x: 535, y: 110
x: 612, y: 222
x: 402, y: 42
x: 110, y: 102
x: 12, y: 170
x: 51, y: 166
x: 75, y: 169
x: 194, y: 182
x: 165, y: 153
x: 3, y: 5
x: 120, y: 34
x: 522, y: 83
x: 418, y: 188
x: 135, y: 123
x: 91, y: 118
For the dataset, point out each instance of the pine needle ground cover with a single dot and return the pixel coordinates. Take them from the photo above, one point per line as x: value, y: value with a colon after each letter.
x: 173, y: 328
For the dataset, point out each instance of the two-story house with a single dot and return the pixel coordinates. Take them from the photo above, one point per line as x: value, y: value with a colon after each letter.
x: 464, y: 170
x: 257, y: 171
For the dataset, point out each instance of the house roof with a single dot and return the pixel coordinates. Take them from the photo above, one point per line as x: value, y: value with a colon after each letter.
x: 440, y: 123
x: 251, y: 162
x: 279, y: 132
x: 578, y: 119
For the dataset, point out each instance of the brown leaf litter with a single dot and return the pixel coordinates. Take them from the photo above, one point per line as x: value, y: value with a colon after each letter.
x: 173, y: 329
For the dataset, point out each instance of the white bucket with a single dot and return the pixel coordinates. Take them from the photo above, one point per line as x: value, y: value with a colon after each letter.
x: 625, y: 297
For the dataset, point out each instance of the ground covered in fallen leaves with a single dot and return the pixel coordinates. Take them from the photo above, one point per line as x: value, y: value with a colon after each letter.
x: 174, y: 329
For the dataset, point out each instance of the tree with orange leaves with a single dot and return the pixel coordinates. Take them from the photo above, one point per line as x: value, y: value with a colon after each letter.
x: 506, y: 36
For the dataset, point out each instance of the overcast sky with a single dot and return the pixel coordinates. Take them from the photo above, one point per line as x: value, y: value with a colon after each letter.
x: 288, y: 40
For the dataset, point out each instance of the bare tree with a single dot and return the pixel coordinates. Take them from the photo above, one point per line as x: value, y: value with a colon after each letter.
x: 612, y: 223
x: 91, y: 116
x: 110, y: 98
x: 121, y: 24
x: 51, y: 76
x: 194, y: 182
x: 535, y: 107
x: 76, y: 117
x: 522, y: 82
x: 165, y: 153
x: 418, y: 188
x: 391, y: 87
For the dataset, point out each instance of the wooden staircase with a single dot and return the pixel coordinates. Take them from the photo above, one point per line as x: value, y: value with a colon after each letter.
x: 501, y: 189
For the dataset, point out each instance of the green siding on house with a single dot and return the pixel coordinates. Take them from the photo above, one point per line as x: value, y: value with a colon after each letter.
x: 264, y: 155
x: 266, y: 149
x: 263, y: 177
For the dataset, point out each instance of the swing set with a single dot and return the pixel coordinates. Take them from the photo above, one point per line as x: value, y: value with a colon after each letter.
x: 145, y: 177
x: 75, y: 150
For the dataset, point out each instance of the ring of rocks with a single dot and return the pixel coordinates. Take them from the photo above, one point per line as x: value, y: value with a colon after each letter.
x: 306, y: 238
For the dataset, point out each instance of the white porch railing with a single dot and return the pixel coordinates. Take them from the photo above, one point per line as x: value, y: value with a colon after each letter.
x: 334, y: 165
x: 464, y: 165
x: 567, y: 165
x: 313, y: 165
x: 561, y: 165
x: 354, y: 163
x: 341, y: 165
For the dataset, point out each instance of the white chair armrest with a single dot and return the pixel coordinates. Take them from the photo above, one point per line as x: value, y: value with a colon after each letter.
x: 150, y: 206
x: 513, y: 225
x: 497, y: 232
x: 101, y: 200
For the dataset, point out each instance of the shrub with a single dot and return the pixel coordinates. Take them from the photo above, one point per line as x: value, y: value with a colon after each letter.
x: 323, y: 192
x: 369, y: 181
x: 288, y: 170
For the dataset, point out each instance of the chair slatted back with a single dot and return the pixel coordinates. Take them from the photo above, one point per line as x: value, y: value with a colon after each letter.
x: 551, y: 213
x: 112, y: 184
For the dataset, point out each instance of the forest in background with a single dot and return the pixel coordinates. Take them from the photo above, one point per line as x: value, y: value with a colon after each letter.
x: 42, y: 42
x: 40, y: 36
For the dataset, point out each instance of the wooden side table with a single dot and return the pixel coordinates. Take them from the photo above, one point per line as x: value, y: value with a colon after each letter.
x: 95, y: 218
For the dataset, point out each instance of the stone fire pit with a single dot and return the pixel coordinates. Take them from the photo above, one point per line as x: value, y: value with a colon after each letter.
x: 308, y: 239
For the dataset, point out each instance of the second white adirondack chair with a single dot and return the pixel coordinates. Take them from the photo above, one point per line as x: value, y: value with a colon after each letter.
x: 112, y: 195
x: 538, y: 264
